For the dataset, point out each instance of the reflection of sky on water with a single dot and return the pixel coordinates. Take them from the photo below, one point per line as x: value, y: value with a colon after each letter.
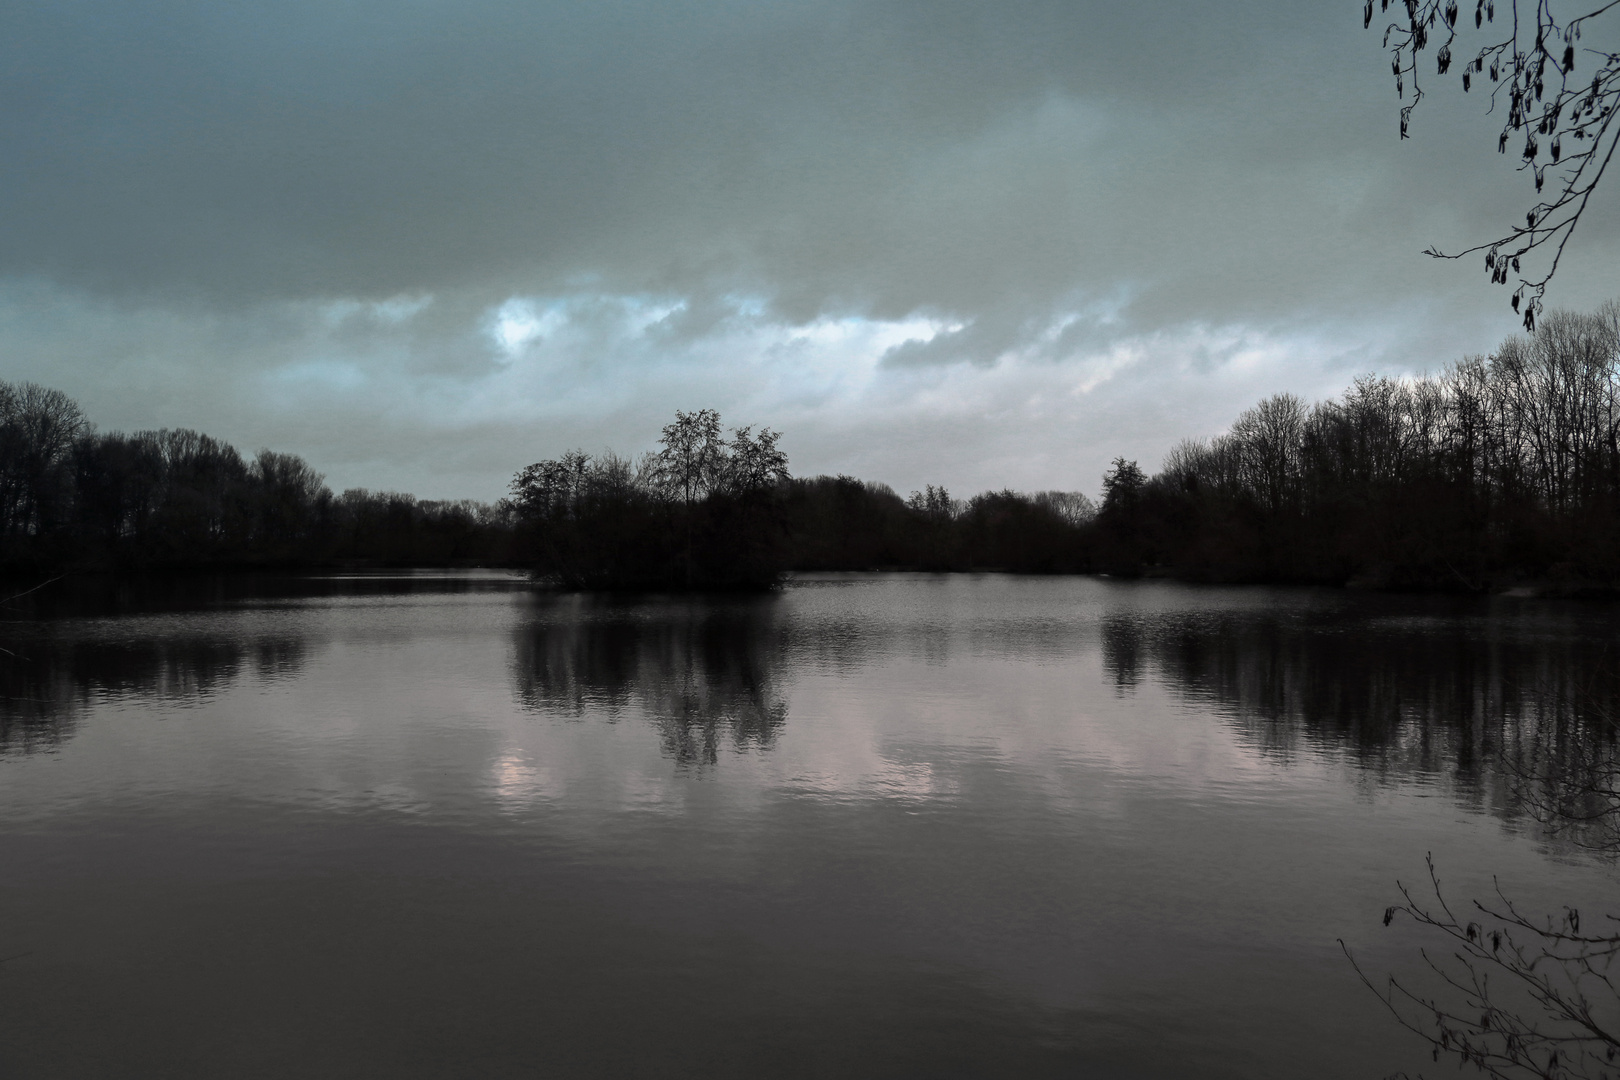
x: 1114, y: 800
x: 837, y: 688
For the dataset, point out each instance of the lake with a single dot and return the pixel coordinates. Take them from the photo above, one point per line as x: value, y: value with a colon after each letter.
x: 447, y: 825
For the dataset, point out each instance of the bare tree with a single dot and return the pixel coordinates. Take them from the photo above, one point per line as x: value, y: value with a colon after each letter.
x: 692, y: 461
x: 549, y: 490
x: 291, y: 493
x: 37, y: 428
x: 935, y: 503
x: 1271, y: 435
x: 1073, y: 507
x: 1516, y: 997
x: 1538, y: 70
x: 753, y: 463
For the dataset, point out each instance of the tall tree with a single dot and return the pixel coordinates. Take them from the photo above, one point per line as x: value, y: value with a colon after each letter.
x: 38, y: 427
x: 691, y: 465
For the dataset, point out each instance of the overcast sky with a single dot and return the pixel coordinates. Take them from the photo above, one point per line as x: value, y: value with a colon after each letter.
x: 981, y: 244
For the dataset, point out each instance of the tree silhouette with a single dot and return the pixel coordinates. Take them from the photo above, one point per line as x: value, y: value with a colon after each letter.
x: 702, y: 512
x: 753, y: 463
x: 691, y: 463
x: 1537, y: 67
x: 38, y: 426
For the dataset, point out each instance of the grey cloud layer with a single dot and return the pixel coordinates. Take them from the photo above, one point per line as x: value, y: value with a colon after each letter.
x: 191, y: 192
x: 883, y: 155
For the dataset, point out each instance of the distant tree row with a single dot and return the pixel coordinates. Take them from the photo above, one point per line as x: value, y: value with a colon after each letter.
x: 1501, y: 466
x: 73, y: 497
x: 706, y: 510
x: 841, y: 523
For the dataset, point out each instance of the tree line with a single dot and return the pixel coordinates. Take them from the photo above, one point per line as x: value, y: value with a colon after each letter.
x: 706, y: 510
x: 72, y: 497
x: 1499, y: 468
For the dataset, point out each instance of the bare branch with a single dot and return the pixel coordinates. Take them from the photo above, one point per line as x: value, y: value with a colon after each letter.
x: 1537, y: 69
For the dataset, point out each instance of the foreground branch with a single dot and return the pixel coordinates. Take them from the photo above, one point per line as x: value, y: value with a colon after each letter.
x: 1537, y: 69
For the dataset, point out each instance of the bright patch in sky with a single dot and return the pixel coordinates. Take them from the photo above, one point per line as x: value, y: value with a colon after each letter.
x: 519, y: 323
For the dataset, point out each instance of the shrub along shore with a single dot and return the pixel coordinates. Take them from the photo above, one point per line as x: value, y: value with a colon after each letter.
x: 1501, y: 471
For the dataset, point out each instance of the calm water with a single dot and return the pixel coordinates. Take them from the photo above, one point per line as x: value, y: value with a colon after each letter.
x: 893, y: 825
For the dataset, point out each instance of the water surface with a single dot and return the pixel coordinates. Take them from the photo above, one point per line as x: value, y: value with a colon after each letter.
x: 432, y: 825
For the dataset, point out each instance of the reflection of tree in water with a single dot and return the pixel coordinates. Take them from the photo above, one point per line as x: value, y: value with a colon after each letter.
x: 48, y: 682
x: 1563, y: 764
x: 1407, y: 698
x: 1122, y: 651
x: 39, y: 705
x: 702, y: 669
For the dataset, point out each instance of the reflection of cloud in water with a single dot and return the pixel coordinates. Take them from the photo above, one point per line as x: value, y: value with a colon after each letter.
x: 518, y: 783
x: 882, y: 778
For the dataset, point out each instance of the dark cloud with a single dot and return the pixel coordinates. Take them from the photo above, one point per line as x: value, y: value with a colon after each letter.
x: 334, y: 200
x: 884, y: 154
